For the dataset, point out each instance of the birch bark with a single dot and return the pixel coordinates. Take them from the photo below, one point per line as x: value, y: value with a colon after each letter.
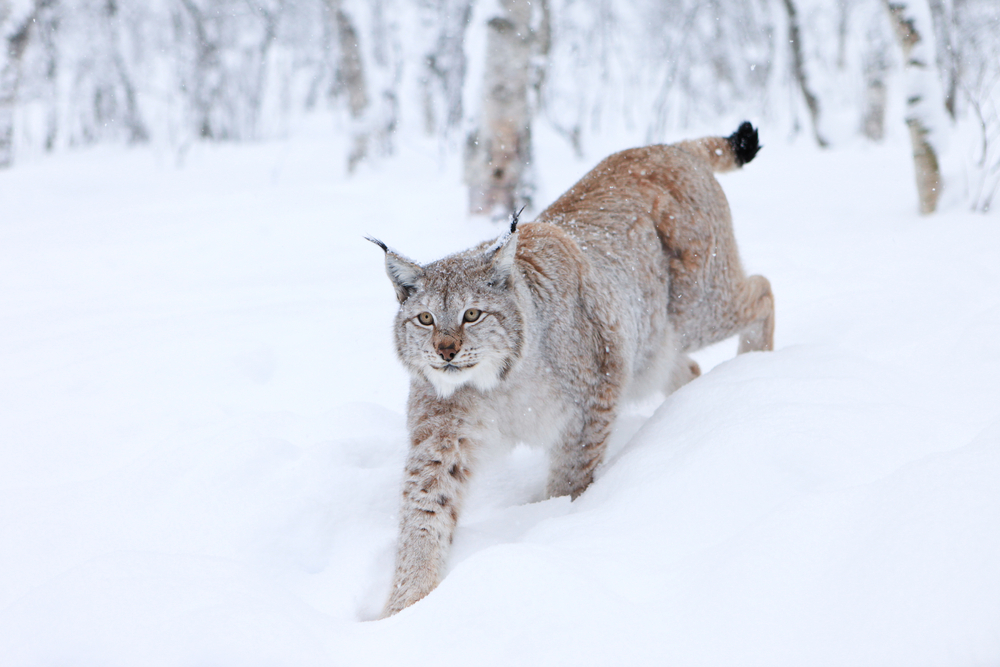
x: 15, y: 31
x: 498, y: 152
x: 924, y: 99
x: 799, y: 70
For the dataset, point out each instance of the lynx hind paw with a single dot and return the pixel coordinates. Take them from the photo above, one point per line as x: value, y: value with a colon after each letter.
x: 686, y: 370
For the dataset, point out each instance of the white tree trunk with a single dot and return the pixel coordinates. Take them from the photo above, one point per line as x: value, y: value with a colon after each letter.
x: 984, y: 179
x: 924, y: 98
x: 947, y: 56
x: 799, y: 70
x: 498, y: 152
x: 351, y: 75
x: 442, y: 80
x: 875, y: 66
x: 15, y: 31
x: 132, y: 118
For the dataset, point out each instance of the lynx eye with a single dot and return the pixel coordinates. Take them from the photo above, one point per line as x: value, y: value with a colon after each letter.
x: 425, y: 318
x: 473, y: 314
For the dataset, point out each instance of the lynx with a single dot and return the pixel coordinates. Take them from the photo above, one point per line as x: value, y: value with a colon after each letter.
x: 540, y: 336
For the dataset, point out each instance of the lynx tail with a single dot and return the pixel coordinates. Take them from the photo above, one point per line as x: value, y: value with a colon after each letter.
x: 744, y: 143
x: 725, y: 153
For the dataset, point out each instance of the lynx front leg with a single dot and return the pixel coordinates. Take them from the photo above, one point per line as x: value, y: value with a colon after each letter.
x: 437, y: 473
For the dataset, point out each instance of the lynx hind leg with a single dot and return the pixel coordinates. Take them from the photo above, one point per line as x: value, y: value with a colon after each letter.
x: 747, y: 309
x: 573, y: 461
x: 685, y: 370
x: 571, y: 469
x: 756, y: 307
x: 711, y: 301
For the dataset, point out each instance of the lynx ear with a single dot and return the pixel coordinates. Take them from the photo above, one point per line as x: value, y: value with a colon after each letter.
x: 403, y: 272
x: 502, y: 252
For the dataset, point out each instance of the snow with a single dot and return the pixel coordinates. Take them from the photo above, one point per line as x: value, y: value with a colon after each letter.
x: 204, y: 429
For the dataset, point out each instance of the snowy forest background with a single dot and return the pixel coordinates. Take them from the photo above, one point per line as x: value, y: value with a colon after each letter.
x: 175, y: 72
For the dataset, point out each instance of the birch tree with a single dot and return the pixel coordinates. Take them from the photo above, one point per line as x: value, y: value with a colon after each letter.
x: 924, y: 98
x: 799, y: 71
x: 985, y: 177
x: 104, y: 98
x: 351, y: 80
x: 443, y: 26
x: 945, y: 50
x: 498, y: 151
x: 16, y: 22
x: 977, y: 24
x: 875, y: 71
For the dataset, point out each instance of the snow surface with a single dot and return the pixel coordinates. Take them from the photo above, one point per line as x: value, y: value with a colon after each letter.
x: 203, y: 430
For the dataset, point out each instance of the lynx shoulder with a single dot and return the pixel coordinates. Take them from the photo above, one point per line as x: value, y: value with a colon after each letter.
x: 541, y: 335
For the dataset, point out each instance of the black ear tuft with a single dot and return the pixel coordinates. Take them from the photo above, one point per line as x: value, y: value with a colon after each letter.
x: 374, y: 240
x: 513, y: 219
x: 744, y: 143
x: 404, y: 273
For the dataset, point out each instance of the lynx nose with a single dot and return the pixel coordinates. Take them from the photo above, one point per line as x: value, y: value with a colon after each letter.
x: 448, y: 348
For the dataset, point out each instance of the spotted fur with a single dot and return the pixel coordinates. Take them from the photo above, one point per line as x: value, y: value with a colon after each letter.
x: 597, y: 301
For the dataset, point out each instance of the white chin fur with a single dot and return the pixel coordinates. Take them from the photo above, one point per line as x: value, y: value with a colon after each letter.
x: 485, y: 376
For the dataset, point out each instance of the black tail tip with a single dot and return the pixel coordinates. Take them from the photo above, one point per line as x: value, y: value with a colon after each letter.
x: 744, y: 143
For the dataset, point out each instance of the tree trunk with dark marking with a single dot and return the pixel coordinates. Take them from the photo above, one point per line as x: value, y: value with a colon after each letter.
x: 351, y: 75
x: 799, y: 70
x: 13, y: 41
x: 498, y: 152
x: 922, y: 102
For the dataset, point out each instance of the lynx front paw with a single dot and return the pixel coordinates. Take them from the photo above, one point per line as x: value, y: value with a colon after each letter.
x: 405, y: 594
x: 419, y: 561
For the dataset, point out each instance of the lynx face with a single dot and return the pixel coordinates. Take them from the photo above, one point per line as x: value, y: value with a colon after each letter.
x: 459, y: 321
